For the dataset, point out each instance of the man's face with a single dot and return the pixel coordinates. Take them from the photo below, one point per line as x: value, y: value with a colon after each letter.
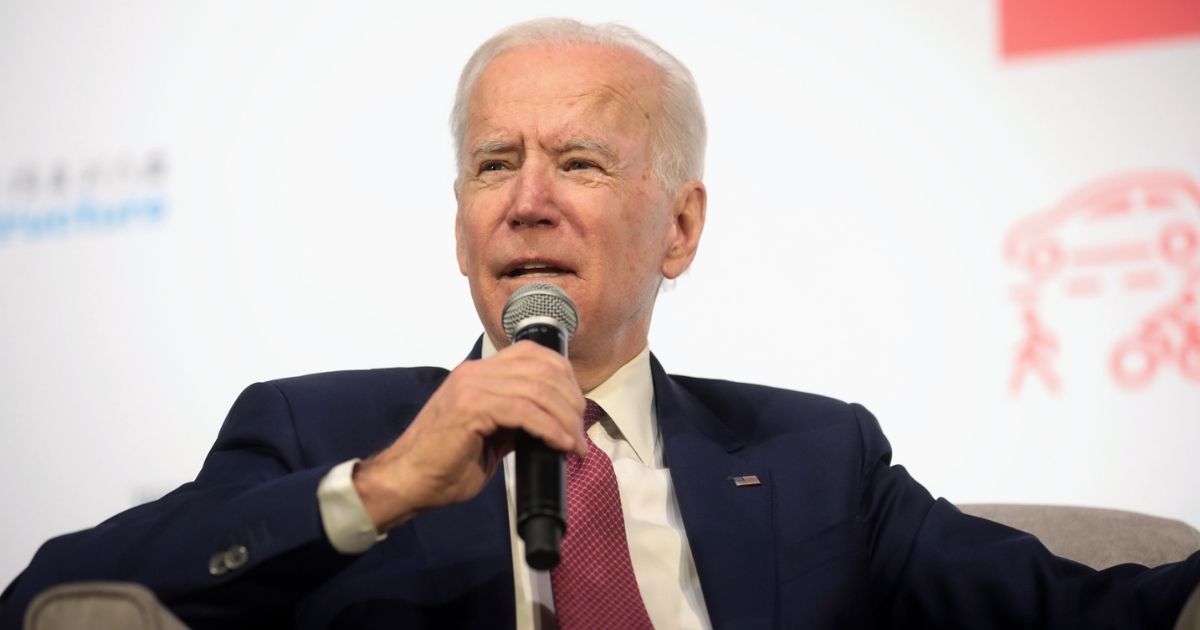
x: 558, y: 186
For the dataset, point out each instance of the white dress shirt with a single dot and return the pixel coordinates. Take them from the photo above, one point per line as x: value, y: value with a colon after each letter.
x: 658, y: 545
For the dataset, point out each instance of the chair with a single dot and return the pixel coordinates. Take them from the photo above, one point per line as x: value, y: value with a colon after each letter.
x: 1097, y: 537
x: 1189, y: 617
x: 99, y: 606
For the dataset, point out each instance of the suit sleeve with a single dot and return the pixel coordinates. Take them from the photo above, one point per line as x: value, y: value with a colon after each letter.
x: 237, y: 546
x: 934, y: 567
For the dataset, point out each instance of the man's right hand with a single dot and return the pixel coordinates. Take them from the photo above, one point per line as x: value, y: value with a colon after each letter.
x: 457, y: 440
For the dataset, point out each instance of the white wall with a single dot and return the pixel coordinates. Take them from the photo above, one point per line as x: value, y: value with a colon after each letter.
x: 285, y: 175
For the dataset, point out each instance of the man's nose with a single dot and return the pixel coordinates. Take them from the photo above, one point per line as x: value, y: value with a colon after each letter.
x: 534, y: 200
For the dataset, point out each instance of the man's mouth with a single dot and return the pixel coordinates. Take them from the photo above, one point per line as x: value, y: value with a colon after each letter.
x: 535, y: 270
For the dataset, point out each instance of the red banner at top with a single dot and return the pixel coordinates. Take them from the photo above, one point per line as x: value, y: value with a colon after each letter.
x: 1031, y: 27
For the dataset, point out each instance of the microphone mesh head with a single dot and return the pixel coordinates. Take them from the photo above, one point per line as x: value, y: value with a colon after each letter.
x: 539, y: 299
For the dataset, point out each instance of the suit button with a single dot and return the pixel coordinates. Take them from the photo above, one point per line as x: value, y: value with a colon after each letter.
x: 216, y: 564
x: 235, y: 557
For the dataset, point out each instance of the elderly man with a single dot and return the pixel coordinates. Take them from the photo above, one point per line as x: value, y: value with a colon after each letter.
x: 693, y: 503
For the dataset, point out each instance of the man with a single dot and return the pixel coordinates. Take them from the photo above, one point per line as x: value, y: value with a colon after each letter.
x: 580, y: 154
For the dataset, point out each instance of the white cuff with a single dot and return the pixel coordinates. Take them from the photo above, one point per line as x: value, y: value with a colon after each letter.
x: 343, y: 515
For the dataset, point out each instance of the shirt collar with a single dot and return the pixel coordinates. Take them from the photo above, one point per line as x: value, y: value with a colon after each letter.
x: 628, y: 399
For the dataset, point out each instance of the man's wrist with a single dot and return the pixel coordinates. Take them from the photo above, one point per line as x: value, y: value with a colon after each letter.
x: 381, y: 501
x: 347, y: 524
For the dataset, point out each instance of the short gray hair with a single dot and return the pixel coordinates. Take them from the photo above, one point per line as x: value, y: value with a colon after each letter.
x: 678, y: 141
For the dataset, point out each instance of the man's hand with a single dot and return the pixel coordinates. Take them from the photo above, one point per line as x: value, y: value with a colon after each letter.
x: 454, y: 444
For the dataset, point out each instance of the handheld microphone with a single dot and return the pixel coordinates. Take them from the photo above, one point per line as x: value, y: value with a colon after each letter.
x: 543, y: 313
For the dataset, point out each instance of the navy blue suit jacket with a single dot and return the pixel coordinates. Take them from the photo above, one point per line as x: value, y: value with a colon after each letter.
x: 833, y: 537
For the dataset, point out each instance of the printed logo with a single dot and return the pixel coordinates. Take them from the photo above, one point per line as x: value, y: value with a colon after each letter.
x: 1136, y: 236
x: 40, y: 201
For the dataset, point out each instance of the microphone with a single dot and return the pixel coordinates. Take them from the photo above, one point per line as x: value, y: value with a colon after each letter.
x: 543, y: 313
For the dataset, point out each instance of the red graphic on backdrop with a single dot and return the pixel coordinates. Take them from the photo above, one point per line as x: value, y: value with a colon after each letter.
x: 1035, y: 355
x: 1136, y: 236
x: 1029, y: 27
x: 1170, y: 336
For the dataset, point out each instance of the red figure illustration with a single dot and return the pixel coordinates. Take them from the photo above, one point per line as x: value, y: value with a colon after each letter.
x: 1035, y: 354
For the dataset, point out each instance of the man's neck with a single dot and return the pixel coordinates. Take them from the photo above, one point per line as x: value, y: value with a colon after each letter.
x: 589, y: 374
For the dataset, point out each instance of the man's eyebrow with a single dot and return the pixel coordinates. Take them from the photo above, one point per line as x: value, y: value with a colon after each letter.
x: 492, y: 147
x: 586, y: 144
x: 488, y: 147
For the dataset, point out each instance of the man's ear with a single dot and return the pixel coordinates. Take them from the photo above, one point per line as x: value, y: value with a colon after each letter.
x: 688, y: 208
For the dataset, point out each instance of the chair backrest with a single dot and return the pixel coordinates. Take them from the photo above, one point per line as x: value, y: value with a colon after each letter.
x: 1097, y: 537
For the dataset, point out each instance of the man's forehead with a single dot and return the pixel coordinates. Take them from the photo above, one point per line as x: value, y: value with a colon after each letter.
x: 596, y: 79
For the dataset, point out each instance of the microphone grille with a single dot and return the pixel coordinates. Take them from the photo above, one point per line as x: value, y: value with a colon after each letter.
x: 539, y: 299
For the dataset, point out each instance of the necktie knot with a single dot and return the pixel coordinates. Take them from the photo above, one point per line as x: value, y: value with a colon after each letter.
x: 591, y: 414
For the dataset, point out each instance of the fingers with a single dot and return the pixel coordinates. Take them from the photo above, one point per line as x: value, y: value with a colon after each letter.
x: 534, y: 420
x: 528, y: 359
x: 561, y: 393
x: 452, y: 446
x: 533, y: 388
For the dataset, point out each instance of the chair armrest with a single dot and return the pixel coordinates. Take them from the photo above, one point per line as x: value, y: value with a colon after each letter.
x: 1097, y: 537
x: 101, y: 606
x: 1189, y: 617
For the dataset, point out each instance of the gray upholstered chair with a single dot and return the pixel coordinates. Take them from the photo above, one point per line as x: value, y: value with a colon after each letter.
x: 1102, y: 538
x: 1189, y: 617
x: 1095, y: 537
x: 99, y: 606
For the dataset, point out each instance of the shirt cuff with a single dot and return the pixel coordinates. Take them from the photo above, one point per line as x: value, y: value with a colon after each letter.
x: 343, y: 515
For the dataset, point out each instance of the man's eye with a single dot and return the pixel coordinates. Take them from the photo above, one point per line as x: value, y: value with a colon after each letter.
x: 491, y: 166
x: 575, y: 165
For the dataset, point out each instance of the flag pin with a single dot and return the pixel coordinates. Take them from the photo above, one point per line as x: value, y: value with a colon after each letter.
x: 745, y: 480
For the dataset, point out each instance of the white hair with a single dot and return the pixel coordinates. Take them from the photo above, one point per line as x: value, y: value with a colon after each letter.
x: 677, y: 141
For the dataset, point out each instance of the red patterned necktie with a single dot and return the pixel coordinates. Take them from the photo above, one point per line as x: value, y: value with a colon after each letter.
x: 594, y: 586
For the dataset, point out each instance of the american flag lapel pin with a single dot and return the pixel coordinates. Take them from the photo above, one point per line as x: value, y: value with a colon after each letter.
x: 745, y: 480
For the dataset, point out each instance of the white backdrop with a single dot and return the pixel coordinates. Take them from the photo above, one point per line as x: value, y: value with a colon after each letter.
x: 196, y: 196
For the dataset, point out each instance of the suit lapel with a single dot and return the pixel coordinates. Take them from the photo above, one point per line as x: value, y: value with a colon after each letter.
x: 729, y: 527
